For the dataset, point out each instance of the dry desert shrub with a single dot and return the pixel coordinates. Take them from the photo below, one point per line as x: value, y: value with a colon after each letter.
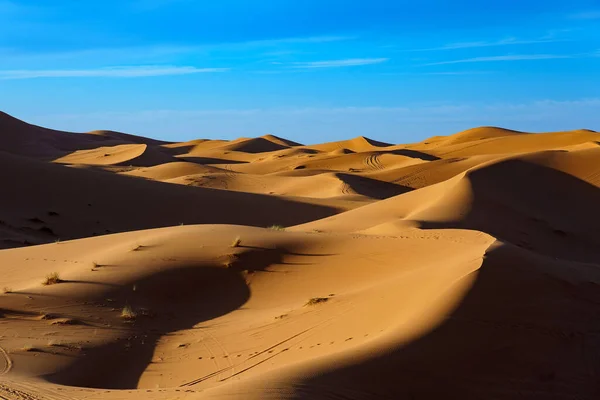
x: 52, y: 279
x: 128, y: 313
x: 236, y: 242
x: 316, y: 300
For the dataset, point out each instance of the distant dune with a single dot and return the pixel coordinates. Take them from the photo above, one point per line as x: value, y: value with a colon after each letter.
x: 461, y: 267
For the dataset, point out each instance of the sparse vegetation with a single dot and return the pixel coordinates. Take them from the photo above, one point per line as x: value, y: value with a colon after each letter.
x: 137, y: 247
x: 52, y: 279
x: 277, y: 227
x: 231, y: 259
x: 29, y: 347
x: 317, y: 300
x: 236, y: 242
x: 6, y: 290
x: 128, y: 313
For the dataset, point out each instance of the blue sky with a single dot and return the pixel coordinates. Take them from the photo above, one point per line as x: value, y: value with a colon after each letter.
x: 308, y: 70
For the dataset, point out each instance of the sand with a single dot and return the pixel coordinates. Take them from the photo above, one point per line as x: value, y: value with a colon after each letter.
x: 460, y: 267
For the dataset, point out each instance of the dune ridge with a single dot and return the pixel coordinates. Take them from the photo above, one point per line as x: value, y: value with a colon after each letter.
x: 464, y: 266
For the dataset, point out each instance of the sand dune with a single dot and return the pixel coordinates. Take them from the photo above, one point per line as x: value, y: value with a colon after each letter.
x: 171, y: 170
x: 514, y: 144
x: 357, y: 144
x: 472, y: 135
x: 125, y: 137
x: 462, y: 267
x: 131, y: 154
x: 51, y: 202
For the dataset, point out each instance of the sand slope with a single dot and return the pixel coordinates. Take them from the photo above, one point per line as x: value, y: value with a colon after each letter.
x: 461, y: 267
x: 49, y: 202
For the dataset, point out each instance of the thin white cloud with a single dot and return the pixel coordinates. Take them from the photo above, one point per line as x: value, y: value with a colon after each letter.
x: 160, y: 53
x: 519, y: 57
x: 350, y: 62
x: 460, y: 73
x: 310, y: 39
x: 337, y: 122
x: 111, y: 72
x: 503, y: 42
x: 593, y: 14
x: 426, y: 109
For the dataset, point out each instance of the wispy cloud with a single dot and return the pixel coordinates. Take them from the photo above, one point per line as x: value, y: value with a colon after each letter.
x: 519, y: 57
x: 502, y: 42
x: 408, y: 110
x: 111, y: 72
x: 459, y: 73
x: 337, y: 122
x: 350, y: 62
x: 592, y: 14
x: 310, y: 39
x: 164, y: 53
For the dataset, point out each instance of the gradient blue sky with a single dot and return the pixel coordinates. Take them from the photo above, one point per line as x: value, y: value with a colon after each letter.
x: 308, y: 70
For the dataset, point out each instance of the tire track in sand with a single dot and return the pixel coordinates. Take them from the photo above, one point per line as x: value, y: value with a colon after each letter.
x: 7, y: 361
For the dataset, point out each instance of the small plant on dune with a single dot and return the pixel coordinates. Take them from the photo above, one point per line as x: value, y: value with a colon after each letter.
x: 231, y: 260
x: 52, y: 279
x: 316, y: 300
x: 277, y: 227
x: 29, y: 347
x: 236, y: 242
x: 128, y: 313
x: 7, y: 290
x: 137, y: 247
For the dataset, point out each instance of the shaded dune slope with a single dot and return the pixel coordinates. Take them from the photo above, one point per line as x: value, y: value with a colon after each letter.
x: 21, y: 138
x: 496, y: 344
x: 50, y: 202
x: 508, y: 199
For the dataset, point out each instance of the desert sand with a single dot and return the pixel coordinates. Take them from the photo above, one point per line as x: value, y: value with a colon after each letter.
x: 461, y: 267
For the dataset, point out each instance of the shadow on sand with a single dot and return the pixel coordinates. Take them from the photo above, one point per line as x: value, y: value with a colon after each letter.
x: 178, y: 299
x: 533, y: 207
x: 525, y: 330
